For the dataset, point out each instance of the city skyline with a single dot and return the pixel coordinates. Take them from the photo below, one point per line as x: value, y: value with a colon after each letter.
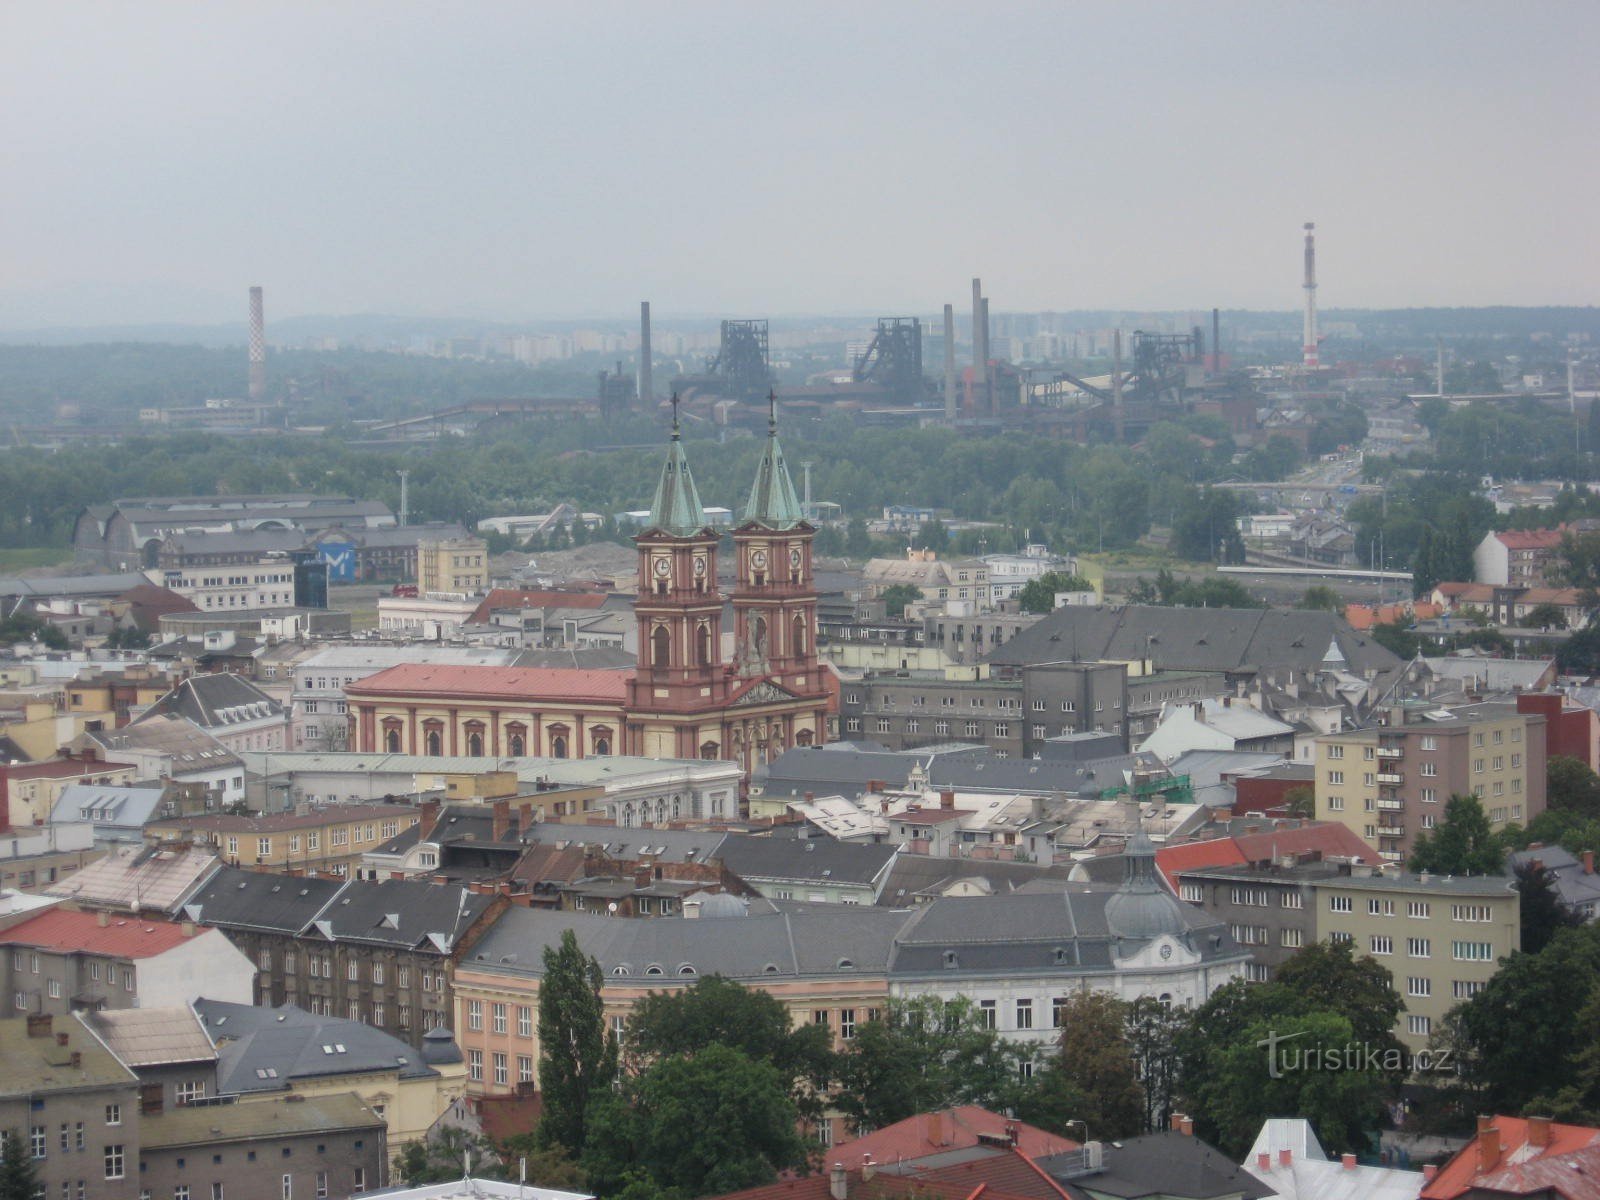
x: 528, y: 163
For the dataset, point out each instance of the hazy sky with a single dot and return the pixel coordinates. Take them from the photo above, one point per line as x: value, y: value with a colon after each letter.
x: 541, y: 159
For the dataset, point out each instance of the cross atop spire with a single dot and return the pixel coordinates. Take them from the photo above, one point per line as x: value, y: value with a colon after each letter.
x: 675, y: 434
x: 773, y: 501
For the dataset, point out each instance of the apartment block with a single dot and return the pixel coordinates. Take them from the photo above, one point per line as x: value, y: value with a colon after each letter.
x: 1390, y: 782
x: 1440, y: 938
x: 459, y: 565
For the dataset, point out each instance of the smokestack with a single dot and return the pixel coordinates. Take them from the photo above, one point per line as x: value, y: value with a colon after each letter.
x: 1118, y: 414
x: 1311, y: 357
x: 258, y: 346
x: 646, y: 366
x: 989, y: 391
x: 949, y: 362
x: 1216, y: 340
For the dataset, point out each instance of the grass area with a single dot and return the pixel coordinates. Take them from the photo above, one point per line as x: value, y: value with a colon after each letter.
x: 20, y: 558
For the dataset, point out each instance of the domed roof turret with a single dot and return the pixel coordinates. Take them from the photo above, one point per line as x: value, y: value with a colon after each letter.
x: 1141, y: 908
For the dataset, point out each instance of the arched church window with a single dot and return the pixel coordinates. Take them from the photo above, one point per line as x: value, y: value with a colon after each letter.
x: 661, y: 647
x: 702, y: 644
x: 517, y: 745
x: 435, y: 742
x: 391, y: 740
x: 759, y: 637
x: 558, y: 746
x: 797, y: 645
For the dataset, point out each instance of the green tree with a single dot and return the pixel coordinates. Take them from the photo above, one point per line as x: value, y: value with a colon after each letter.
x: 1580, y: 653
x: 1039, y: 595
x: 19, y: 1178
x: 1308, y: 1064
x: 1207, y: 529
x: 1093, y: 1076
x: 896, y: 596
x: 1301, y: 801
x: 577, y: 1057
x: 719, y: 1011
x: 1153, y: 1029
x: 1321, y: 598
x: 1463, y: 843
x: 1571, y: 787
x: 857, y: 539
x: 933, y: 535
x: 1542, y: 912
x: 1544, y: 616
x: 925, y: 1054
x: 1330, y: 975
x: 1517, y: 1038
x: 701, y: 1124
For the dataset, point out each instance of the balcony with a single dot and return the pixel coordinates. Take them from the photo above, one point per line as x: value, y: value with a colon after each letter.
x: 1391, y: 777
x: 1392, y: 805
x: 1391, y: 831
x: 1391, y: 752
x: 1391, y: 855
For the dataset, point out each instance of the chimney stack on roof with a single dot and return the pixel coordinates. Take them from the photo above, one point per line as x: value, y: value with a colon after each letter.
x: 39, y: 1025
x: 1539, y: 1131
x: 1588, y: 862
x: 502, y: 819
x: 1488, y: 1145
x: 838, y: 1182
x: 1285, y: 1157
x: 947, y: 799
x: 1347, y: 1161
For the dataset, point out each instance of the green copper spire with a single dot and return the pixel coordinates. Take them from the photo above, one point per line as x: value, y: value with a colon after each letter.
x: 773, y: 502
x: 676, y: 509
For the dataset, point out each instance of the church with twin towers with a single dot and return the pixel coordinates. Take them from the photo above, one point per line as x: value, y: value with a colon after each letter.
x: 684, y: 698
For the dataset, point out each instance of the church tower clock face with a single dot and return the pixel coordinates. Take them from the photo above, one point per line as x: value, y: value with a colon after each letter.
x: 758, y: 559
x: 794, y: 557
x: 699, y: 566
x: 662, y: 567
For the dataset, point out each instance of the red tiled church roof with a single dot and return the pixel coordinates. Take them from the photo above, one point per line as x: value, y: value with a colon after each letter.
x: 572, y: 684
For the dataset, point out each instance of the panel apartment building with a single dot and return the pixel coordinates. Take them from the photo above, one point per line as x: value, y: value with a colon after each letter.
x: 1441, y: 938
x: 1390, y: 782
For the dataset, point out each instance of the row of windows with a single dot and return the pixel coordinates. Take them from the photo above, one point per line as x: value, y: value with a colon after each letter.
x: 498, y: 1014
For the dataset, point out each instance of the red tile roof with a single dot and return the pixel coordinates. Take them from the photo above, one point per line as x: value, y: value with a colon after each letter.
x: 1009, y: 1171
x: 1328, y: 839
x: 1569, y: 1164
x: 520, y: 598
x: 120, y: 937
x: 880, y: 1187
x: 940, y: 1132
x: 497, y: 683
x: 1529, y: 539
x: 59, y: 768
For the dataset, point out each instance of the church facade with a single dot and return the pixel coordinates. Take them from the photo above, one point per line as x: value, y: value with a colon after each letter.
x: 682, y: 699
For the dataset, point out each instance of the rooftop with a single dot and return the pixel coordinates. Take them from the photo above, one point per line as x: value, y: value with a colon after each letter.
x: 525, y: 684
x: 84, y: 932
x: 152, y: 1037
x: 191, y: 1125
x: 36, y: 1065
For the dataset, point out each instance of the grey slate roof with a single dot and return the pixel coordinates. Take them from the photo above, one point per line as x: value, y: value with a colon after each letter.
x: 1576, y: 889
x: 813, y: 860
x: 106, y: 805
x: 826, y: 771
x: 1016, y: 934
x: 987, y: 772
x: 1158, y: 1164
x: 782, y: 944
x: 256, y: 900
x: 1194, y: 639
x: 152, y: 1037
x: 914, y: 875
x: 215, y: 701
x: 403, y: 913
x: 71, y: 585
x: 660, y: 845
x: 267, y: 1049
x: 1028, y: 932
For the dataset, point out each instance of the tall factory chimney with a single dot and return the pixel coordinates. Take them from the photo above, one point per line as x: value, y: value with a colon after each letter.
x: 1310, y: 356
x: 988, y: 378
x: 949, y: 362
x: 646, y: 366
x: 258, y: 346
x: 1216, y: 341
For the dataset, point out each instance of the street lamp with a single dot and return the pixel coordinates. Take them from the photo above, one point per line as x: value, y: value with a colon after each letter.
x: 1079, y: 1121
